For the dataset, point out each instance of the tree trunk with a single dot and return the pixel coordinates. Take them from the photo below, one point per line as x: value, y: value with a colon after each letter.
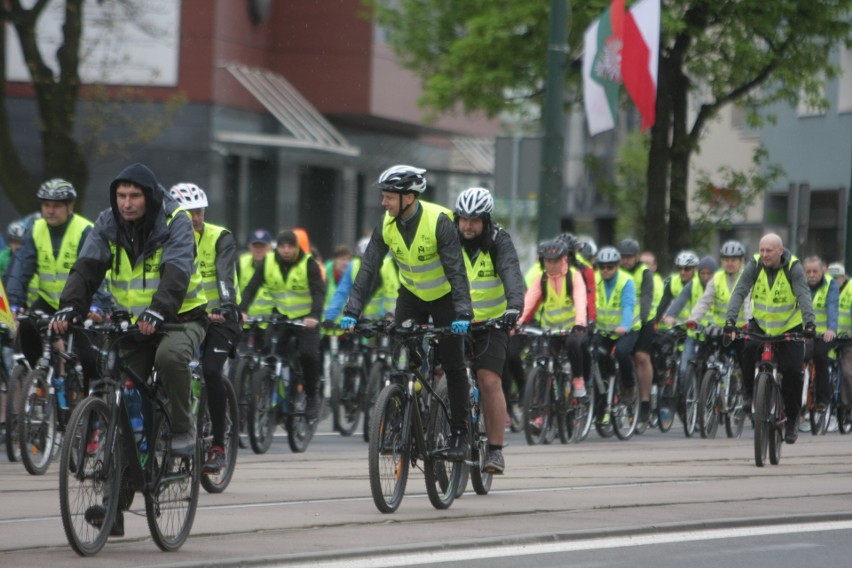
x: 681, y: 149
x: 658, y: 169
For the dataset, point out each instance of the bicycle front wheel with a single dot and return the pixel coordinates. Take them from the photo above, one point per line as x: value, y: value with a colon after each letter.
x: 736, y: 416
x: 776, y: 434
x: 346, y: 398
x: 37, y: 422
x: 216, y: 483
x: 625, y: 413
x: 390, y: 449
x: 243, y: 388
x: 375, y: 383
x: 300, y: 430
x: 88, y: 494
x: 13, y: 409
x: 537, y: 406
x: 762, y: 418
x: 443, y: 477
x: 479, y: 478
x: 262, y: 414
x: 709, y: 404
x: 172, y: 496
x: 583, y: 413
x: 689, y: 400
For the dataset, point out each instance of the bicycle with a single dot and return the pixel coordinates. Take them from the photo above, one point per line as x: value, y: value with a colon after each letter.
x: 398, y: 436
x: 45, y: 402
x: 380, y: 369
x: 103, y: 466
x: 769, y: 415
x: 248, y: 360
x: 216, y: 482
x: 721, y: 391
x: 278, y: 392
x: 667, y: 351
x: 616, y: 409
x: 819, y: 419
x: 20, y: 367
x: 347, y: 369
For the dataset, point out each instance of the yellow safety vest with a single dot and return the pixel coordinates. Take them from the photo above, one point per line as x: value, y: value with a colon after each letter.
x: 558, y: 310
x: 820, y: 306
x: 844, y: 321
x: 291, y: 297
x: 486, y: 288
x: 206, y: 244
x: 676, y: 286
x: 775, y: 309
x: 53, y: 272
x: 262, y: 304
x: 133, y: 287
x: 638, y: 274
x: 420, y: 268
x: 659, y: 289
x: 723, y: 297
x: 609, y: 309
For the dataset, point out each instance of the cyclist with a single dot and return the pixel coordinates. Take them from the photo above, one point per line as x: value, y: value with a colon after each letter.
x: 824, y: 295
x: 644, y: 280
x: 781, y: 302
x: 618, y: 314
x: 15, y: 235
x: 650, y: 260
x: 383, y: 300
x: 838, y: 272
x: 145, y: 240
x: 294, y: 280
x: 217, y: 251
x: 425, y: 245
x: 844, y: 325
x: 497, y: 291
x: 260, y: 244
x: 686, y: 287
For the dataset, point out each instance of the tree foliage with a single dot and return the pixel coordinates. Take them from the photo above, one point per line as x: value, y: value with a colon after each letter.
x: 489, y: 55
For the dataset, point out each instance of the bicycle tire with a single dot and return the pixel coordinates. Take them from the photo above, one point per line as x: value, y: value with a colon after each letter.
x: 479, y: 478
x: 736, y: 415
x: 537, y: 395
x: 443, y: 477
x: 217, y: 483
x: 262, y: 415
x: 666, y: 403
x: 818, y: 419
x: 82, y: 488
x: 13, y: 409
x: 603, y: 428
x: 346, y: 400
x: 709, y: 404
x: 243, y: 387
x: 37, y: 423
x: 583, y: 414
x: 390, y: 449
x: 625, y: 413
x: 762, y: 403
x: 170, y: 506
x: 689, y: 400
x: 375, y: 383
x: 300, y: 431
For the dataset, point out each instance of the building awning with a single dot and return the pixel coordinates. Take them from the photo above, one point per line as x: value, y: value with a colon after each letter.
x: 477, y: 152
x: 307, y: 127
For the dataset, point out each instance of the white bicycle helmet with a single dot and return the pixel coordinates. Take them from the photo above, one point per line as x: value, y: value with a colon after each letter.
x: 56, y: 190
x: 474, y: 202
x: 588, y: 248
x: 732, y: 248
x: 15, y: 231
x: 189, y: 195
x: 608, y: 255
x: 402, y: 179
x: 686, y: 259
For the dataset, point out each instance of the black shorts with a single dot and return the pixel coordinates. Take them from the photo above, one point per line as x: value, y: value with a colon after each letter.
x: 490, y: 349
x: 645, y: 341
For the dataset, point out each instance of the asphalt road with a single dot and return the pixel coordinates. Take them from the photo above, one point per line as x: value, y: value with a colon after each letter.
x: 315, y: 508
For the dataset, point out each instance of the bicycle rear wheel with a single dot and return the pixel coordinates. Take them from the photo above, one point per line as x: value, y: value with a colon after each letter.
x: 13, y: 409
x: 709, y: 404
x: 216, y: 483
x: 84, y: 486
x: 583, y: 413
x: 443, y: 477
x: 37, y: 422
x: 560, y: 408
x: 390, y: 447
x: 243, y: 388
x: 375, y: 383
x: 346, y: 398
x: 480, y: 479
x: 300, y: 430
x: 625, y: 413
x: 262, y: 413
x: 537, y: 405
x: 171, y: 500
x: 689, y: 400
x: 762, y: 417
x: 776, y: 434
x: 736, y: 416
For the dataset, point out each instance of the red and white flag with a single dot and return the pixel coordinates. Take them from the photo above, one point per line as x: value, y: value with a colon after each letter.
x: 621, y: 47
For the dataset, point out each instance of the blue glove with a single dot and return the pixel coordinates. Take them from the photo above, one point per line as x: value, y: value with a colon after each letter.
x: 460, y: 326
x: 347, y: 321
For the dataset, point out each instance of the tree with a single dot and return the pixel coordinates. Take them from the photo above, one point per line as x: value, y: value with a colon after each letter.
x: 488, y: 55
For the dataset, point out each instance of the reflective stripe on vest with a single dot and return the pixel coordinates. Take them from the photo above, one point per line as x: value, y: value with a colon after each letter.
x: 820, y: 306
x: 775, y: 309
x: 659, y: 289
x: 844, y: 322
x: 53, y: 272
x: 609, y: 309
x: 262, y: 304
x: 487, y: 295
x: 558, y: 311
x: 291, y: 297
x: 206, y: 243
x: 133, y: 287
x: 420, y: 268
x: 723, y: 297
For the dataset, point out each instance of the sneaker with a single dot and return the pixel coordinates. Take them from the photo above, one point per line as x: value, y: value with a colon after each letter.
x: 747, y: 408
x: 457, y: 447
x: 183, y: 443
x: 791, y: 431
x: 494, y: 462
x: 312, y: 409
x: 579, y: 387
x: 95, y: 514
x: 215, y: 460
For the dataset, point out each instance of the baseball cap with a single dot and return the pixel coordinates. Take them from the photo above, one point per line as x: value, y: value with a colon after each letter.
x: 260, y: 236
x: 836, y: 269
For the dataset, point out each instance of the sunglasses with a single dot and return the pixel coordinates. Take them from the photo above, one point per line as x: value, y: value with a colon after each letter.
x: 686, y: 269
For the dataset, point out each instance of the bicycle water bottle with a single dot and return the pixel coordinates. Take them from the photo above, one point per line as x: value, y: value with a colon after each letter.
x: 59, y: 389
x: 133, y: 400
x: 474, y: 415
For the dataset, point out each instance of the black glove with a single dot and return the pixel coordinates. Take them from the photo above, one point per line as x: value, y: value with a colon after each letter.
x: 810, y: 330
x: 730, y: 326
x: 154, y: 318
x: 579, y: 329
x: 68, y: 314
x: 510, y: 318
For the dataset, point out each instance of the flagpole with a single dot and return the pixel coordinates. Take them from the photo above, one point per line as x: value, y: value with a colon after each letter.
x: 553, y: 117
